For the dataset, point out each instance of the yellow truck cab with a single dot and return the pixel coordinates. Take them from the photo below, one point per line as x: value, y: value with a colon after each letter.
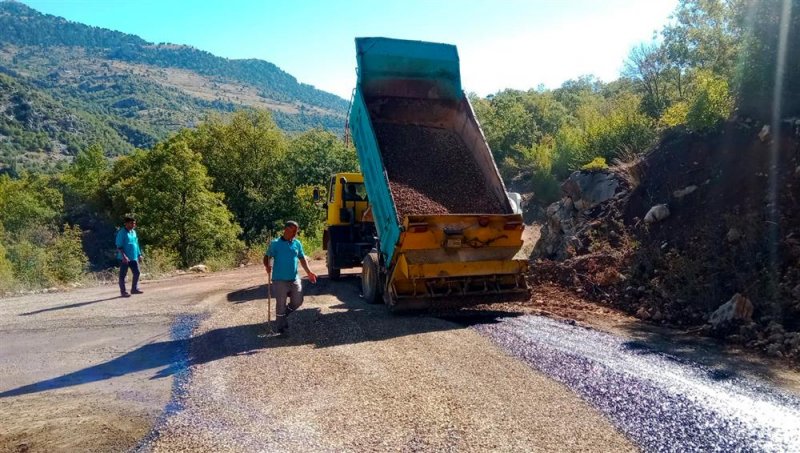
x: 349, y: 235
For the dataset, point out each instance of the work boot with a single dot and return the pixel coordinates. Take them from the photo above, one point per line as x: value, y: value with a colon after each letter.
x: 137, y: 291
x: 125, y: 294
x: 283, y: 332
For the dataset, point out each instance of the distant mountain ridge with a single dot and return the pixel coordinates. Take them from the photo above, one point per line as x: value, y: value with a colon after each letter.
x: 124, y: 92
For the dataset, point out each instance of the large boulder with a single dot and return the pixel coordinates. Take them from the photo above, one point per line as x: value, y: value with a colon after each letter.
x: 588, y: 189
x: 199, y: 268
x: 737, y: 310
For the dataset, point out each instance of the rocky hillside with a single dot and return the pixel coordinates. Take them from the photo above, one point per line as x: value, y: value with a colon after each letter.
x: 703, y: 232
x: 66, y: 84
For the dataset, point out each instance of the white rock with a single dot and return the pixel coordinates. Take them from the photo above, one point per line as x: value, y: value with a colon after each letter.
x: 657, y: 213
x: 202, y: 268
x: 764, y: 134
x: 737, y: 308
x: 685, y: 191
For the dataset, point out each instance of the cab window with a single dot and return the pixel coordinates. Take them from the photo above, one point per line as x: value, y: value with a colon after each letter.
x: 355, y: 191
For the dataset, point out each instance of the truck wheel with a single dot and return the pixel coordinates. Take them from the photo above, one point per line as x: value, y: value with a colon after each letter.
x: 370, y: 287
x: 333, y: 273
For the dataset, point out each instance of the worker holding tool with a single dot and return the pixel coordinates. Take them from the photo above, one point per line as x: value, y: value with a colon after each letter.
x: 286, y: 251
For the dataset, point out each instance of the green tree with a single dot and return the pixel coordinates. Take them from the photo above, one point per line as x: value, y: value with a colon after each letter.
x: 244, y: 155
x: 762, y: 24
x: 29, y: 204
x: 648, y: 65
x: 704, y: 35
x: 311, y: 159
x: 84, y: 178
x: 711, y: 104
x: 170, y: 191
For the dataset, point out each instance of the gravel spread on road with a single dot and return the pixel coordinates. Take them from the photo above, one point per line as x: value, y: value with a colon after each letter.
x: 660, y: 401
x: 352, y: 377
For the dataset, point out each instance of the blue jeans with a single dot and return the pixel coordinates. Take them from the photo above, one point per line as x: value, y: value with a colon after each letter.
x: 123, y: 272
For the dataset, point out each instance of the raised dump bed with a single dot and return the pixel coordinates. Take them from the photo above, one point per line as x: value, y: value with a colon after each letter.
x: 445, y: 225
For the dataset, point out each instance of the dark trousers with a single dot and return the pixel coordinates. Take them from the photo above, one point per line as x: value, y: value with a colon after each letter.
x: 123, y: 272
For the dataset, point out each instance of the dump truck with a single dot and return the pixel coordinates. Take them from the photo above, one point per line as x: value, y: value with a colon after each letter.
x: 348, y: 235
x: 445, y: 227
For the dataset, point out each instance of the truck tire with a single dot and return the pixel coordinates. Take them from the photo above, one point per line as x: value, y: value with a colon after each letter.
x: 370, y: 279
x: 333, y: 272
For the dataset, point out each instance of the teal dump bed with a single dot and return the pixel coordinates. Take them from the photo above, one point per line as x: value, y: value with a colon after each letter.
x: 416, y: 84
x: 425, y: 69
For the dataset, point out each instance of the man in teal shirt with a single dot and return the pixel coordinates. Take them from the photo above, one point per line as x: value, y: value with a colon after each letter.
x: 286, y: 251
x: 130, y: 255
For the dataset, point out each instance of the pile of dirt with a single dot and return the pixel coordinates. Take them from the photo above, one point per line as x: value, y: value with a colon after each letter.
x: 431, y: 171
x: 731, y: 202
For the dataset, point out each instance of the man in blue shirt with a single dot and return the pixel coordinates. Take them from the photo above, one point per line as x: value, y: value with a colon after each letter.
x: 286, y: 251
x: 130, y: 255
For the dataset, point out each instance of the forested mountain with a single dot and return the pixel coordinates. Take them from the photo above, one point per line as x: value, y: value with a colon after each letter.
x: 66, y: 85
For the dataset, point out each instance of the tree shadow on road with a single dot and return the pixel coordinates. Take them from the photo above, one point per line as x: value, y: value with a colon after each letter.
x: 349, y: 322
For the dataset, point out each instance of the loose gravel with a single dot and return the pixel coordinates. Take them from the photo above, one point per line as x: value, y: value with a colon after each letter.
x: 431, y: 171
x: 352, y: 377
x: 661, y: 402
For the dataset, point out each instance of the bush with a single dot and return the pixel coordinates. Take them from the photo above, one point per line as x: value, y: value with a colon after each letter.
x: 159, y: 261
x: 312, y: 242
x: 66, y: 261
x: 598, y: 163
x: 711, y: 104
x: 6, y: 274
x: 675, y: 114
x: 29, y: 264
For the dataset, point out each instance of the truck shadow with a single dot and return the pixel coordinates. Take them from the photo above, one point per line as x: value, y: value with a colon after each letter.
x: 348, y: 322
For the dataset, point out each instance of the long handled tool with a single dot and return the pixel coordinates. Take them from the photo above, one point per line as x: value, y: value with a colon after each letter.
x: 269, y: 304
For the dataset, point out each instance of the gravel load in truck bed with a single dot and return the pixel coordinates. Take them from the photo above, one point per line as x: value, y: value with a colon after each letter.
x: 431, y: 171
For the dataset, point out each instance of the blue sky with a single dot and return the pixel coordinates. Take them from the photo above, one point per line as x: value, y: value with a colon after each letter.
x: 502, y: 43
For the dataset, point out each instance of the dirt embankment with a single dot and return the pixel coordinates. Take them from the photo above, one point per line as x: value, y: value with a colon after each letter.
x: 732, y: 226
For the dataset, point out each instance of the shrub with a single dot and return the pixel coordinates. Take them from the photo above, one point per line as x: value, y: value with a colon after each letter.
x: 711, y: 104
x: 159, y: 261
x: 6, y: 274
x: 66, y: 260
x: 675, y: 114
x: 29, y: 264
x: 598, y: 163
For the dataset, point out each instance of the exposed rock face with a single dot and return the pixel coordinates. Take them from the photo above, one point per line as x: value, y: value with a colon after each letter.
x: 583, y: 190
